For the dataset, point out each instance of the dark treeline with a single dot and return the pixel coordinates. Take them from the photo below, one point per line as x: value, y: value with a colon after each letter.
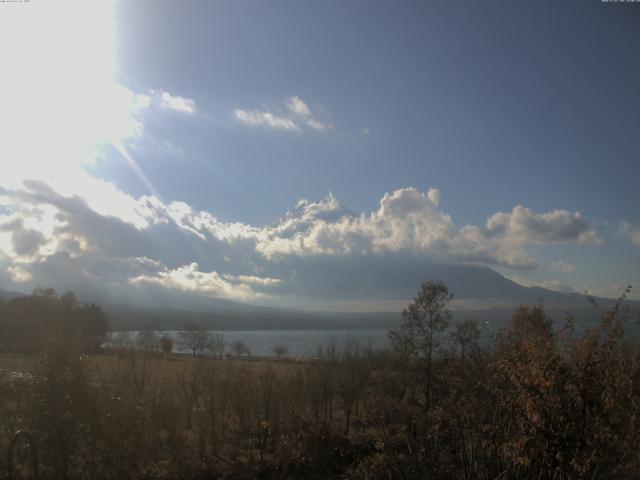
x: 533, y: 403
x: 27, y: 323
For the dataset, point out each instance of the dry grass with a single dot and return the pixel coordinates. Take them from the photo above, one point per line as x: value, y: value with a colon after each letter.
x: 19, y: 365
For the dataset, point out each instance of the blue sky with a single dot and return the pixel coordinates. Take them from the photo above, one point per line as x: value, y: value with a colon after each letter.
x: 491, y: 100
x: 514, y: 122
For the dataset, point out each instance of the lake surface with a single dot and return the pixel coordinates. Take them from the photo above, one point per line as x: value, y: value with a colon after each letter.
x: 305, y: 343
x: 300, y: 343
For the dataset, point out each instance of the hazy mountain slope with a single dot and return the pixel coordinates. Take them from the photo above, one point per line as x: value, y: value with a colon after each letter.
x: 481, y: 282
x: 8, y: 295
x: 134, y: 318
x: 482, y: 293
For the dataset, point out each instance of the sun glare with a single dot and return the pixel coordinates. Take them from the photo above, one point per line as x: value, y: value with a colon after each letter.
x: 59, y: 99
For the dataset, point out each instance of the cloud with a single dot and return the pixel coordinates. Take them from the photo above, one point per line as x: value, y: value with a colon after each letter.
x: 253, y: 280
x: 95, y: 253
x: 558, y: 226
x: 564, y: 267
x: 25, y: 241
x: 320, y: 126
x: 434, y: 195
x: 556, y: 285
x: 19, y: 274
x: 295, y: 116
x: 617, y: 289
x: 265, y: 118
x: 407, y: 220
x: 553, y: 285
x: 297, y: 106
x: 177, y: 103
x: 189, y: 278
x: 317, y: 251
x: 629, y: 230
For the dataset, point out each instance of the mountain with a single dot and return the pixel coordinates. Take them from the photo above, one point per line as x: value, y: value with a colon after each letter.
x: 7, y: 295
x: 466, y: 281
x: 123, y: 317
x: 479, y: 293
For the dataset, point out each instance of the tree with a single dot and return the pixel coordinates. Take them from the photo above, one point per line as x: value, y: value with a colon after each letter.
x: 240, y: 348
x: 467, y: 337
x: 422, y: 325
x: 147, y: 340
x: 28, y: 322
x: 62, y: 409
x: 48, y: 293
x: 166, y: 344
x: 194, y: 338
x: 352, y: 376
x: 216, y: 344
x: 94, y: 326
x: 527, y: 325
x: 69, y: 301
x: 280, y: 350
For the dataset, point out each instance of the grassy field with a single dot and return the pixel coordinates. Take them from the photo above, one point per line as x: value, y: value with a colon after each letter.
x: 223, y: 412
x: 18, y: 366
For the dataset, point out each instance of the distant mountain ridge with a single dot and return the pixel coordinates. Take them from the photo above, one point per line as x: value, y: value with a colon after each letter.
x: 467, y: 281
x: 7, y: 295
x: 491, y: 295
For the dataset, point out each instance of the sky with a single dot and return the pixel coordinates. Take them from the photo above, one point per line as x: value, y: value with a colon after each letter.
x: 277, y: 152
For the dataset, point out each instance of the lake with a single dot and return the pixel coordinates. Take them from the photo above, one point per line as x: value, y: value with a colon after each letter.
x: 305, y: 343
x: 300, y: 343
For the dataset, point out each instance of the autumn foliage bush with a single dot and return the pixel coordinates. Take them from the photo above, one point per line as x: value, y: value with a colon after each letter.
x: 537, y: 403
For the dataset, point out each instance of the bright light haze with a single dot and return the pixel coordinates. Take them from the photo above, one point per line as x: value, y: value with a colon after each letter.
x: 272, y: 152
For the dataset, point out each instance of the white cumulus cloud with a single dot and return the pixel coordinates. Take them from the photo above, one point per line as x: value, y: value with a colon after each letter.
x: 190, y: 278
x: 523, y: 225
x: 318, y: 249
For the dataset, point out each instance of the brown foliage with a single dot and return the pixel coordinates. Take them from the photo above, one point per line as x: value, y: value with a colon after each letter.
x: 536, y: 403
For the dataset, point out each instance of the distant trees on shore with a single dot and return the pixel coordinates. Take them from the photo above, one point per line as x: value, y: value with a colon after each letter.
x: 27, y: 323
x: 195, y: 339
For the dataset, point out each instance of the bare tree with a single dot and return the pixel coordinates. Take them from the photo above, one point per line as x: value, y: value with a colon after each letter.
x: 280, y: 350
x: 147, y: 340
x: 240, y: 348
x: 194, y: 338
x: 423, y: 323
x: 120, y: 341
x: 467, y: 337
x: 190, y: 384
x: 352, y: 376
x: 216, y: 344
